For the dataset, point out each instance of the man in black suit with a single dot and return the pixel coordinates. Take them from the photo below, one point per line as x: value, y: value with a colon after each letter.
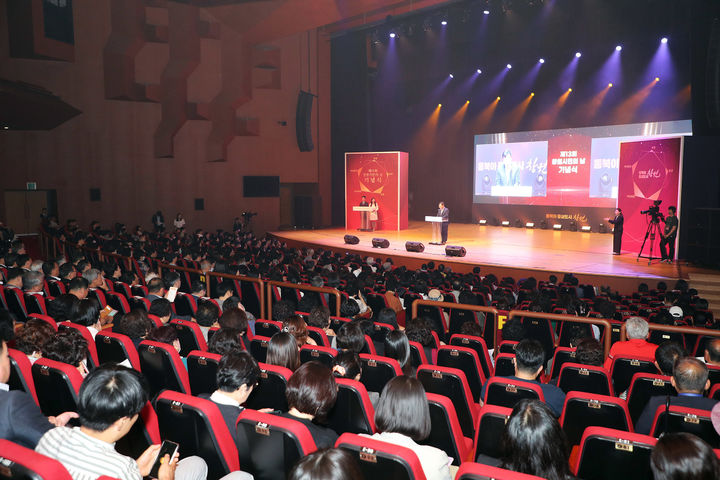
x: 156, y: 289
x: 236, y: 377
x: 20, y: 418
x: 690, y: 379
x: 445, y: 214
x: 617, y: 224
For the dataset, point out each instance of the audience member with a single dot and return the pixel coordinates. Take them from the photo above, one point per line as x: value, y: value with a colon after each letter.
x: 397, y: 346
x: 225, y: 341
x: 683, y: 456
x: 296, y: 326
x: 666, y: 356
x: 135, y: 324
x: 88, y: 315
x: 712, y: 352
x: 68, y: 346
x: 350, y: 337
x: 589, y: 352
x: 32, y: 337
x: 161, y: 308
x: 636, y: 345
x: 207, y: 316
x: 168, y: 335
x: 327, y: 464
x: 283, y: 351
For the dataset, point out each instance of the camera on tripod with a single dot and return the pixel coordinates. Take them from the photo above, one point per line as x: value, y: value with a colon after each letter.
x: 654, y: 212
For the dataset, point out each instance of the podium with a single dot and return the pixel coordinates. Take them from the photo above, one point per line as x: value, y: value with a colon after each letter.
x: 364, y: 223
x: 436, y: 224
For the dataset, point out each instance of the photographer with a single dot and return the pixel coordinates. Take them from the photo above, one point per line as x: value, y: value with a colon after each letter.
x: 667, y: 240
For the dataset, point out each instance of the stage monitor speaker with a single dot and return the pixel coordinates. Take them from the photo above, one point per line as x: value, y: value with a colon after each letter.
x: 380, y: 243
x: 303, y: 124
x: 455, y: 251
x: 351, y: 240
x: 414, y: 247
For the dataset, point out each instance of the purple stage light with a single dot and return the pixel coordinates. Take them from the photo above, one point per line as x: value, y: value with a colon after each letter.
x: 578, y: 54
x: 393, y: 35
x: 542, y: 60
x: 618, y: 48
x: 663, y: 40
x: 443, y: 23
x: 508, y: 66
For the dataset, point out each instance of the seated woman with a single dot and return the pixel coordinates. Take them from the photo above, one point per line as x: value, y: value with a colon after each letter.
x: 347, y: 364
x: 683, y: 456
x: 32, y: 337
x: 283, y: 351
x: 68, y: 346
x: 225, y: 340
x: 88, y: 315
x: 402, y: 417
x: 135, y: 324
x: 327, y: 464
x: 297, y: 327
x: 167, y: 334
x: 419, y: 330
x: 311, y: 393
x: 350, y: 337
x: 397, y: 346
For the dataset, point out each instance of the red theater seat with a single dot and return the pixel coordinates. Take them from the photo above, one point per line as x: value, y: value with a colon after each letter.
x: 582, y: 410
x: 116, y: 348
x: 190, y: 335
x: 270, y: 390
x: 202, y: 370
x: 683, y: 419
x: 490, y: 428
x: 607, y: 454
x: 445, y: 431
x: 20, y: 463
x: 452, y: 383
x: 162, y: 367
x: 380, y: 460
x: 477, y: 471
x: 467, y: 360
x: 506, y: 392
x: 57, y: 385
x: 353, y: 412
x: 21, y: 373
x: 377, y: 371
x: 324, y: 355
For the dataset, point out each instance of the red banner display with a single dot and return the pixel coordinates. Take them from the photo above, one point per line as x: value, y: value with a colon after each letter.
x: 649, y: 171
x: 382, y: 176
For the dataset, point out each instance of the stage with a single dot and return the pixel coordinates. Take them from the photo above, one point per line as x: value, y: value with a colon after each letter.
x: 517, y: 252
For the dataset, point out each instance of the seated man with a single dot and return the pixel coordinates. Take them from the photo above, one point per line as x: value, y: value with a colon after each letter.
x: 690, y: 379
x: 110, y: 400
x: 636, y: 345
x: 666, y: 356
x: 712, y: 352
x: 20, y: 418
x: 207, y: 316
x: 529, y: 358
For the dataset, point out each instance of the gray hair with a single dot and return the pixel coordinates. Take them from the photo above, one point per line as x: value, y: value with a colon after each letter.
x: 636, y: 328
x: 36, y: 265
x: 32, y: 279
x: 91, y: 274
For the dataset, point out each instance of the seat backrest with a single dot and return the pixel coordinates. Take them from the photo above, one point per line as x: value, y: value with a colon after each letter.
x: 435, y: 316
x: 20, y: 463
x: 93, y: 361
x: 714, y: 392
x: 478, y: 471
x: 507, y: 346
x: 377, y: 371
x: 270, y: 390
x: 202, y: 369
x: 582, y: 410
x: 324, y: 355
x: 490, y: 428
x: 185, y: 304
x: 478, y: 344
x: 541, y: 330
x: 643, y: 387
x: 623, y: 368
x: 162, y: 367
x: 259, y: 347
x: 467, y: 360
x: 459, y: 316
x: 98, y: 295
x: 319, y: 335
x: 562, y: 355
x: 57, y: 385
x: 607, y: 454
x: 417, y: 355
x: 684, y: 419
x: 353, y: 412
x: 56, y: 288
x: 190, y: 335
x: 199, y: 427
x: 380, y: 460
x: 584, y: 378
x: 21, y: 373
x: 142, y: 434
x: 16, y: 303
x: 115, y: 348
x: 506, y: 392
x: 445, y: 432
x: 504, y: 365
x: 269, y: 445
x: 118, y: 302
x: 713, y: 374
x: 452, y: 383
x: 35, y: 304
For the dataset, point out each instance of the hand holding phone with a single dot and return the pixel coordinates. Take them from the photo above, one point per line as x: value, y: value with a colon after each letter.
x: 167, y: 448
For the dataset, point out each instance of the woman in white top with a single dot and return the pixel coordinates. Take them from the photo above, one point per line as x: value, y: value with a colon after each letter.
x: 402, y: 417
x: 179, y: 221
x: 373, y: 216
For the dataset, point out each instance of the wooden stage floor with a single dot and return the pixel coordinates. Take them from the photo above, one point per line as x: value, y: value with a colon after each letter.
x: 506, y: 251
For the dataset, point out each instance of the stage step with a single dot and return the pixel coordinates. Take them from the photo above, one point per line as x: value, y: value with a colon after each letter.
x: 708, y: 287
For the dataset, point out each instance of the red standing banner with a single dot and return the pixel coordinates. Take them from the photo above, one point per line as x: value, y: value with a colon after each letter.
x: 649, y: 171
x: 382, y: 176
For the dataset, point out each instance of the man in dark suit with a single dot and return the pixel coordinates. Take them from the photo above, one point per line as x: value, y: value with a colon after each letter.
x: 20, y: 418
x: 236, y: 377
x: 445, y: 214
x: 617, y: 224
x: 156, y: 289
x: 690, y: 379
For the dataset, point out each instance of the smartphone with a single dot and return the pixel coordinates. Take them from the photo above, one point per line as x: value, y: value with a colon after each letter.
x: 167, y: 448
x: 171, y: 293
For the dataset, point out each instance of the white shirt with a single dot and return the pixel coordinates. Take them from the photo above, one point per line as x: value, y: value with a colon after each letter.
x: 218, y: 397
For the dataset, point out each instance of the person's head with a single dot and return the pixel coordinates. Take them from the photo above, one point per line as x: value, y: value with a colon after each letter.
x: 618, y: 211
x: 156, y: 286
x: 347, y: 365
x: 712, y: 351
x: 683, y: 456
x: 403, y: 408
x: 296, y: 327
x: 281, y: 310
x: 529, y: 358
x: 32, y: 337
x: 672, y: 210
x: 88, y: 313
x: 6, y: 334
x: 312, y: 390
x: 237, y: 375
x: 690, y: 375
x: 513, y: 330
x: 66, y: 346
x: 165, y: 334
x: 397, y: 346
x: 207, y: 313
x: 109, y: 396
x: 350, y: 337
x: 534, y: 443
x: 319, y: 317
x: 50, y: 268
x: 198, y: 288
x: 327, y: 464
x: 224, y: 341
x: 283, y: 351
x: 441, y: 205
x: 161, y: 308
x: 66, y: 271
x: 33, y: 281
x: 14, y: 277
x: 64, y: 307
x: 576, y: 332
x: 224, y: 289
x: 349, y: 308
x: 471, y: 328
x: 170, y: 278
x: 589, y: 352
x: 636, y: 328
x: 94, y: 277
x: 419, y: 330
x: 234, y: 318
x: 135, y: 324
x: 78, y: 286
x: 667, y: 354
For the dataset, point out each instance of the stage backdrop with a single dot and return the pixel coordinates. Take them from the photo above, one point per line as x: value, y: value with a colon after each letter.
x: 649, y: 170
x: 382, y: 176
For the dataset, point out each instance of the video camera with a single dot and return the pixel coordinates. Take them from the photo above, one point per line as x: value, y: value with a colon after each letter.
x: 654, y: 211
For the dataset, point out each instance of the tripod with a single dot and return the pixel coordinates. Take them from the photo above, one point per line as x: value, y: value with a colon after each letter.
x: 653, y: 229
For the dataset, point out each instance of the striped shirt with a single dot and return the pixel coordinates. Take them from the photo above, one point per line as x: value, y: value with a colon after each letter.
x: 85, y: 457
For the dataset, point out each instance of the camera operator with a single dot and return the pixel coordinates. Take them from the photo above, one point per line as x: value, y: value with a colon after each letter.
x: 668, y: 236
